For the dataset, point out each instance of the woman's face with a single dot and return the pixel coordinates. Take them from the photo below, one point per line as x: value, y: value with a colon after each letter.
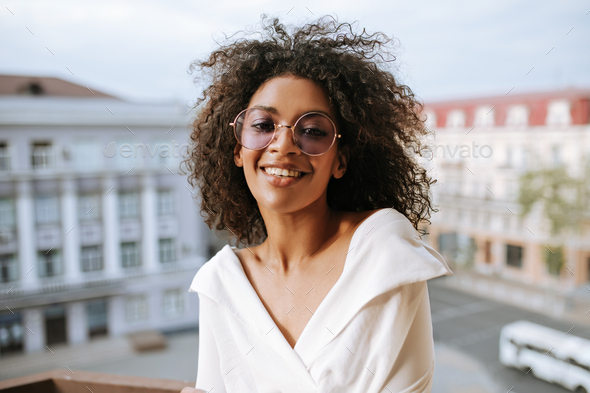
x: 289, y: 97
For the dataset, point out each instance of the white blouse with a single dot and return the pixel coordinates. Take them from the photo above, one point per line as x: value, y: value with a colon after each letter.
x: 371, y: 333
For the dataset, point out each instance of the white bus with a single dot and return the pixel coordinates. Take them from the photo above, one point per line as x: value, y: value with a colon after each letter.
x: 549, y: 354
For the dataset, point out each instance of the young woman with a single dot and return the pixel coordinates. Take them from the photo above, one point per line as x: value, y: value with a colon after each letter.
x: 301, y: 152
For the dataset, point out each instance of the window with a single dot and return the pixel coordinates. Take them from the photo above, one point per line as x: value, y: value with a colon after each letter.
x: 484, y: 116
x: 130, y: 254
x: 7, y: 216
x: 430, y: 122
x: 506, y: 221
x: 167, y: 250
x: 488, y: 191
x: 42, y: 155
x: 47, y: 209
x: 578, y: 364
x: 512, y: 189
x: 488, y: 252
x: 125, y: 154
x: 487, y: 221
x: 8, y: 268
x: 85, y: 154
x: 164, y: 153
x: 525, y: 158
x: 519, y: 224
x: 4, y: 157
x: 466, y: 249
x: 165, y: 202
x: 518, y: 115
x: 448, y: 245
x: 50, y: 263
x: 509, y: 156
x: 88, y: 207
x: 96, y: 310
x: 456, y: 118
x: 91, y: 258
x: 128, y: 204
x: 136, y: 308
x: 558, y: 113
x: 173, y: 303
x: 514, y: 255
x: 55, y: 324
x: 536, y: 349
x: 474, y: 217
x: 11, y: 333
x: 556, y: 155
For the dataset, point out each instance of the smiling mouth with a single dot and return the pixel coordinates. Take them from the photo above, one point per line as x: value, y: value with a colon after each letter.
x: 283, y: 173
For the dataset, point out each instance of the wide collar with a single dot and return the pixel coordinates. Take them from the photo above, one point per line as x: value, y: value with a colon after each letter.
x: 385, y: 252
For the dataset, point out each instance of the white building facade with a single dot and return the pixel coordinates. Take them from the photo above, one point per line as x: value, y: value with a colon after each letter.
x: 481, y: 148
x: 99, y: 231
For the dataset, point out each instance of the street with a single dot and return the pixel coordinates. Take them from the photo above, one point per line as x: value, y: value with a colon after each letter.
x: 471, y: 325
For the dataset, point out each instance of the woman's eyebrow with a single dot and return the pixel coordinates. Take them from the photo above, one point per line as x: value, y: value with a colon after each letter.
x: 274, y: 110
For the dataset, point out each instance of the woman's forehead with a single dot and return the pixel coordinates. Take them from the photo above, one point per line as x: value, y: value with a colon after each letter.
x: 291, y: 94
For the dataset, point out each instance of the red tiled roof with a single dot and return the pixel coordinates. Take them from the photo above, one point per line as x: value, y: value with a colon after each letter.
x: 536, y: 102
x: 45, y: 86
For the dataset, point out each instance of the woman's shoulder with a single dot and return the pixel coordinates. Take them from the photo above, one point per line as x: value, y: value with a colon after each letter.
x: 379, y: 218
x: 211, y: 270
x: 247, y: 256
x: 354, y: 219
x: 396, y: 250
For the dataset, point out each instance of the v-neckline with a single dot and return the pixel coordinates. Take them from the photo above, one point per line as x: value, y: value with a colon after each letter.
x: 344, y: 270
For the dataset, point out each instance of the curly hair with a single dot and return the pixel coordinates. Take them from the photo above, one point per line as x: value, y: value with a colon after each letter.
x: 380, y: 120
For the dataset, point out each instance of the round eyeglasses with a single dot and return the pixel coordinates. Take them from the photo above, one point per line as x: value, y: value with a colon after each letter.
x: 314, y: 133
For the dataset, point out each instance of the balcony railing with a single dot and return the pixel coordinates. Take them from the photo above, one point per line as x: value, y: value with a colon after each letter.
x: 66, y: 381
x: 15, y: 290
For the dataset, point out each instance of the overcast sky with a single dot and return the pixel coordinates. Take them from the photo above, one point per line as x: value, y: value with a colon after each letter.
x: 141, y: 50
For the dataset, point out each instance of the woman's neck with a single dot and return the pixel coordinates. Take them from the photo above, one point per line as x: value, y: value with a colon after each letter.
x: 294, y: 238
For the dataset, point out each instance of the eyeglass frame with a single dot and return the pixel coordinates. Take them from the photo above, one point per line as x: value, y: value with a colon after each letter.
x: 292, y: 128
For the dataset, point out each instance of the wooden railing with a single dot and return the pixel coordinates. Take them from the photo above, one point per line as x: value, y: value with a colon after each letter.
x: 74, y: 381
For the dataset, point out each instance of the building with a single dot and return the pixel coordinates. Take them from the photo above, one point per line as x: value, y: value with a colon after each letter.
x: 481, y: 148
x: 99, y: 233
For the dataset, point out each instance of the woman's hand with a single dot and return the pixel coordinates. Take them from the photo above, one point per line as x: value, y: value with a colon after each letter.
x: 191, y: 390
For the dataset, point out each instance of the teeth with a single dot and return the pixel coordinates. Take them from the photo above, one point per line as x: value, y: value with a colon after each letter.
x: 282, y: 172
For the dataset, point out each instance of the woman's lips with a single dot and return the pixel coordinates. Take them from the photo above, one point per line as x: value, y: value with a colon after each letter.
x: 281, y: 182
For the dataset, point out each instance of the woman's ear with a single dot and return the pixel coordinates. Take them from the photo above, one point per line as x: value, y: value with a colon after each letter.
x: 343, y: 157
x: 238, y: 155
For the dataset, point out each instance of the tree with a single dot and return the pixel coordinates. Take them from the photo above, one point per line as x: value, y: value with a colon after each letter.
x: 565, y: 203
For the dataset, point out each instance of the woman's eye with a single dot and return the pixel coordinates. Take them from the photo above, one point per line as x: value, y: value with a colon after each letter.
x: 264, y: 126
x: 314, y: 132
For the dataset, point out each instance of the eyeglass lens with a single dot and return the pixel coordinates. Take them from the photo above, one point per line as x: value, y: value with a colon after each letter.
x: 314, y: 133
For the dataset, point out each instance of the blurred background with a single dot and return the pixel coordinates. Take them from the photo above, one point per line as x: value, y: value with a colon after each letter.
x: 100, y: 234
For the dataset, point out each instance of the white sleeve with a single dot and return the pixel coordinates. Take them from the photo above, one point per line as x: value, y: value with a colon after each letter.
x: 414, y: 365
x: 208, y: 373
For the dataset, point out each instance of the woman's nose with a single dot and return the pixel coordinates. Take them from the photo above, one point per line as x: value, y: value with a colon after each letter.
x: 283, y: 140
